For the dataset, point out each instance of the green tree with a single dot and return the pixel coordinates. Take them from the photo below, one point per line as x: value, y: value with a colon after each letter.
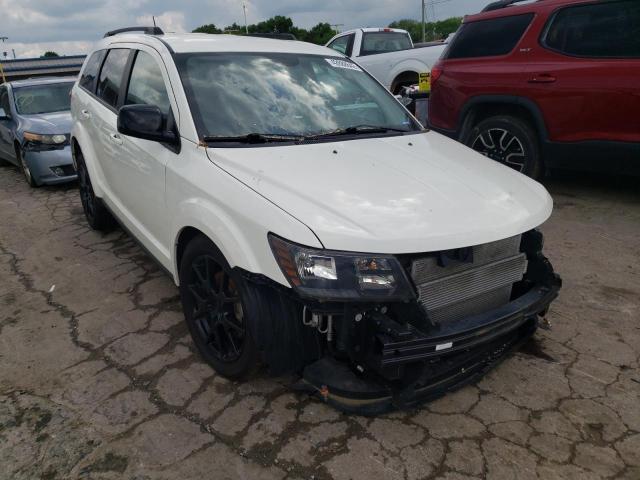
x: 50, y: 54
x: 320, y: 34
x: 434, y: 30
x: 209, y: 28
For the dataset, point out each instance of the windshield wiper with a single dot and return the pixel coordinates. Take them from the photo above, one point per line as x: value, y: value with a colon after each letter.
x: 359, y: 130
x: 252, y: 138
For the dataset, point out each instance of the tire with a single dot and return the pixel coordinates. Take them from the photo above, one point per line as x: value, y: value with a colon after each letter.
x: 26, y: 171
x: 214, y: 301
x: 98, y: 217
x: 508, y: 140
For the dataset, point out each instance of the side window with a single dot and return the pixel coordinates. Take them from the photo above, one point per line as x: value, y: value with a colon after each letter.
x: 343, y: 44
x: 146, y: 85
x: 487, y: 38
x: 111, y: 76
x: 90, y: 72
x: 4, y: 101
x: 598, y: 30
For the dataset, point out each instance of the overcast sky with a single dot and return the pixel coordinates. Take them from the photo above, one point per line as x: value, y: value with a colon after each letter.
x: 71, y: 26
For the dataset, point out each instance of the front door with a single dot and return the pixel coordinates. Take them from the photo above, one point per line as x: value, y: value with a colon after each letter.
x: 138, y: 170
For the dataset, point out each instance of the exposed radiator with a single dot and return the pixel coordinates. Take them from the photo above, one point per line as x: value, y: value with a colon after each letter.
x: 463, y: 289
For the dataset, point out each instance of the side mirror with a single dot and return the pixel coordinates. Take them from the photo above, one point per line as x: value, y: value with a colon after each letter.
x: 146, y: 122
x: 3, y: 114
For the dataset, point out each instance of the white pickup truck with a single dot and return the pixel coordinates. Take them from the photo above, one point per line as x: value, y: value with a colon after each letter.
x: 388, y: 54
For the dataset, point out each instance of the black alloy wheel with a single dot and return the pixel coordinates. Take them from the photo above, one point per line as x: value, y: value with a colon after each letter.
x: 211, y: 296
x: 98, y: 217
x: 507, y: 140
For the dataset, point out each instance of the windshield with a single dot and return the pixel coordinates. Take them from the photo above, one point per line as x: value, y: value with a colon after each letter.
x: 284, y: 94
x: 43, y: 98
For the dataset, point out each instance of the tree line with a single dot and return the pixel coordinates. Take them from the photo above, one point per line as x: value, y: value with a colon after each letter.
x: 322, y: 32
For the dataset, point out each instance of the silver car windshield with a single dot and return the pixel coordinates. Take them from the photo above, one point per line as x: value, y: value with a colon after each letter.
x: 239, y: 94
x: 39, y: 99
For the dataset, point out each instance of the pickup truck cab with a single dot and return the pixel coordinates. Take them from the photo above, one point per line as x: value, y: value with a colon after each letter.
x: 311, y: 224
x: 388, y: 54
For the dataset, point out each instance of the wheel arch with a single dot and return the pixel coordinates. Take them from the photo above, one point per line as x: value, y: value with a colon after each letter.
x: 485, y: 106
x: 403, y: 78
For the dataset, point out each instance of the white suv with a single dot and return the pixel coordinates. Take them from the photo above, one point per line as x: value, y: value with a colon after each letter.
x: 311, y: 223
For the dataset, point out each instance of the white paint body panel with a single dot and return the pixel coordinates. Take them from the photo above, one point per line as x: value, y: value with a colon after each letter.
x: 386, y: 67
x: 383, y: 195
x: 373, y: 195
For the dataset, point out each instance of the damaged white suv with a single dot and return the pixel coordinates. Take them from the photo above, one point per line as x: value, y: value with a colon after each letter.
x: 311, y: 223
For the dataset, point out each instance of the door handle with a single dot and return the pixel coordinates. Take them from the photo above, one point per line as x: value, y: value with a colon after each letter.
x: 542, y: 78
x: 115, y: 138
x: 85, y: 114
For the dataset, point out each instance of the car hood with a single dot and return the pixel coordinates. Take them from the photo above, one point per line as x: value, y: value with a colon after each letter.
x: 47, y: 123
x: 402, y: 194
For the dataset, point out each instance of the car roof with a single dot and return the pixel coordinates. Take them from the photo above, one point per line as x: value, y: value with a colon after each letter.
x: 204, y: 42
x: 519, y: 8
x: 371, y: 29
x: 29, y: 82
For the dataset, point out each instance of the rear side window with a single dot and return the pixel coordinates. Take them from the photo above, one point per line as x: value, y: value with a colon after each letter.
x: 111, y: 76
x: 4, y: 100
x: 488, y: 38
x: 382, y: 42
x: 600, y: 30
x: 90, y: 72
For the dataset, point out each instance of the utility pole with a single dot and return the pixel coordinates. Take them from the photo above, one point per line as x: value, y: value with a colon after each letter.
x: 4, y: 79
x: 424, y: 33
x: 244, y: 9
x: 336, y: 27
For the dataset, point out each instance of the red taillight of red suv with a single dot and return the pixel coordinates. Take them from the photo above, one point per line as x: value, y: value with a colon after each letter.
x: 436, y: 71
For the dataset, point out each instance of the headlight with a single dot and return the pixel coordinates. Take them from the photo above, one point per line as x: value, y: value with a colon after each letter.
x: 37, y: 139
x: 335, y: 275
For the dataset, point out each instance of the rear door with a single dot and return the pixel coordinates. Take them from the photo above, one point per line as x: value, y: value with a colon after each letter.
x: 586, y: 76
x: 108, y: 141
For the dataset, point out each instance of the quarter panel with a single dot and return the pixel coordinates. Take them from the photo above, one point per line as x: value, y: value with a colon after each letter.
x: 236, y: 218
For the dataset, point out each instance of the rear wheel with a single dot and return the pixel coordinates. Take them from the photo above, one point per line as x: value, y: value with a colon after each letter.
x: 26, y: 171
x: 98, y: 217
x: 508, y: 140
x: 215, y: 310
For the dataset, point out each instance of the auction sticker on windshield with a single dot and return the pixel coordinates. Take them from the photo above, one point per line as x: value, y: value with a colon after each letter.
x: 337, y: 63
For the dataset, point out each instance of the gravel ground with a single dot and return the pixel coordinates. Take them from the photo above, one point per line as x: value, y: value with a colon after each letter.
x: 99, y: 379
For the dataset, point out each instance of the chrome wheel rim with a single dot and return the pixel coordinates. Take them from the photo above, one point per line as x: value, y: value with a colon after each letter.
x: 502, y: 146
x: 216, y: 309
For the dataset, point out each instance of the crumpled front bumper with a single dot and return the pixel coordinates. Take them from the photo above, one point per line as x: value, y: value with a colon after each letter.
x: 42, y: 165
x: 458, y: 354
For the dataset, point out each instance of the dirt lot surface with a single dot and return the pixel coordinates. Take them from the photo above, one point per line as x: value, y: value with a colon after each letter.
x: 99, y: 379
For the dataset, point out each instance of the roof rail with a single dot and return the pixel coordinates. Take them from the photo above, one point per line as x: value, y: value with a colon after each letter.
x: 277, y: 36
x: 146, y: 30
x: 500, y: 4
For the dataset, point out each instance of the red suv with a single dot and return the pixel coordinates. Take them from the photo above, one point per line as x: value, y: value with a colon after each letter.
x: 553, y: 83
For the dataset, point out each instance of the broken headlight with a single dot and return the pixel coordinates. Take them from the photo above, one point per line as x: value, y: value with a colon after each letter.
x: 335, y: 275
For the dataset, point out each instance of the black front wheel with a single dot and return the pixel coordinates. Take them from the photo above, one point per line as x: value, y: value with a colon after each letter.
x: 508, y: 140
x: 214, y: 307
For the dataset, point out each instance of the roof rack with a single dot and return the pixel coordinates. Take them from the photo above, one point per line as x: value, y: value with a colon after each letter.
x: 500, y: 4
x: 145, y: 30
x: 277, y: 36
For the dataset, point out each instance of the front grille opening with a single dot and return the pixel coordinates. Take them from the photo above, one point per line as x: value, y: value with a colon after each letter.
x: 480, y: 283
